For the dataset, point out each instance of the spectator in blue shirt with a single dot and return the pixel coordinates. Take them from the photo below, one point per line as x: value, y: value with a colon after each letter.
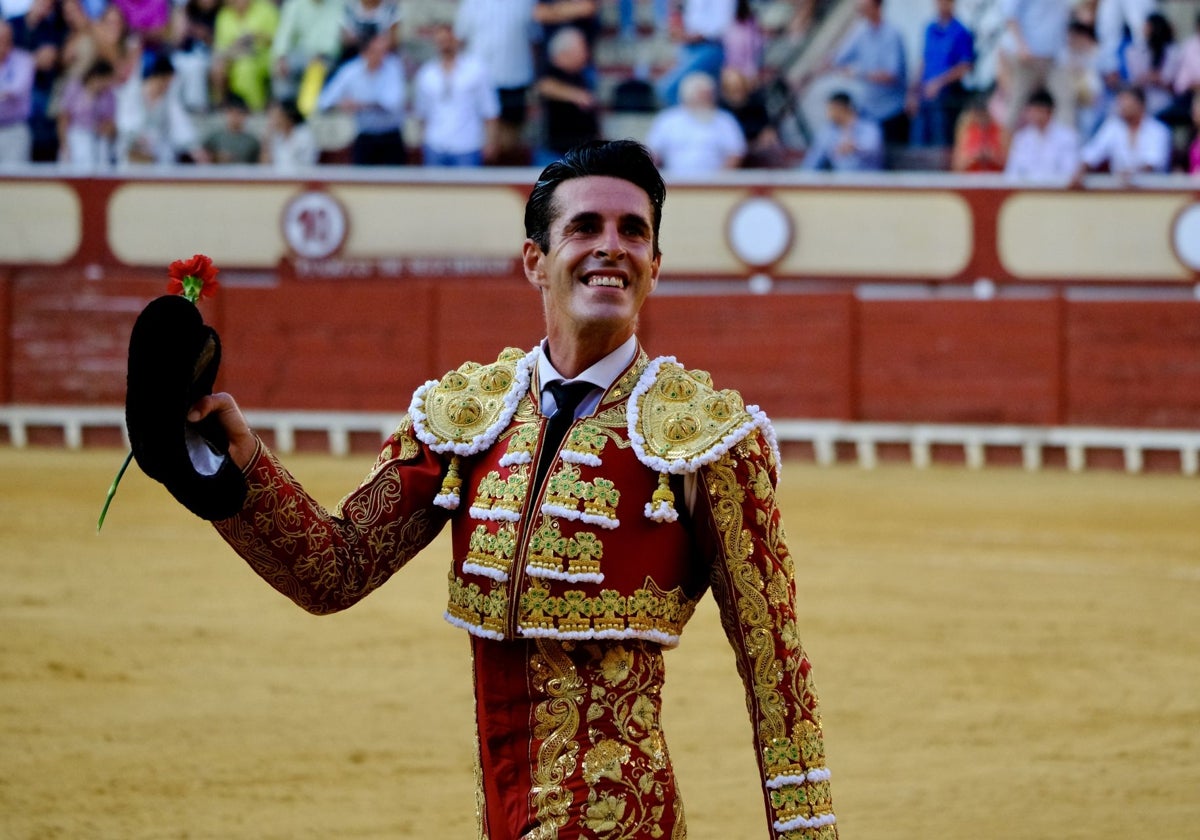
x: 938, y: 99
x: 848, y: 142
x: 371, y: 87
x: 873, y: 53
x: 1038, y: 29
x: 42, y: 32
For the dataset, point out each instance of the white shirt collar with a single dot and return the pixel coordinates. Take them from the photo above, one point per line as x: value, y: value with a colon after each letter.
x: 602, y: 374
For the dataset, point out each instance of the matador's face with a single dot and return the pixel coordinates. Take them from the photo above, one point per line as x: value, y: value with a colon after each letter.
x: 601, y: 263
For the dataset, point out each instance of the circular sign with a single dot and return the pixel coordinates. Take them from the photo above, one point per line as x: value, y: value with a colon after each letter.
x: 1186, y: 236
x: 759, y: 231
x: 314, y: 225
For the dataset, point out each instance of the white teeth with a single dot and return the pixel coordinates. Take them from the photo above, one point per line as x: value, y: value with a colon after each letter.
x: 605, y: 280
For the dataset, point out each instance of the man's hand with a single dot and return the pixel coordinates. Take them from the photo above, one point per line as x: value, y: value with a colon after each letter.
x: 242, y: 442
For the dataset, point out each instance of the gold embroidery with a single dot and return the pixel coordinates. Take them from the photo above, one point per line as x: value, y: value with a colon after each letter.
x: 555, y: 676
x: 681, y: 417
x: 648, y: 611
x: 564, y: 488
x: 522, y: 442
x: 753, y: 581
x: 469, y: 604
x: 626, y: 768
x: 467, y: 401
x: 493, y: 550
x: 586, y: 440
x: 548, y: 547
x: 505, y: 494
x: 604, y: 761
x: 600, y: 499
x: 326, y: 563
x: 584, y: 554
x: 627, y: 382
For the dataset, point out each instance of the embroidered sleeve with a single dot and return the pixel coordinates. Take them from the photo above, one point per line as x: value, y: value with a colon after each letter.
x: 752, y: 581
x: 327, y: 561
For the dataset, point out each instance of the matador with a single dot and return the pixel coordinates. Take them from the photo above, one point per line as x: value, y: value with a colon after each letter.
x: 594, y: 494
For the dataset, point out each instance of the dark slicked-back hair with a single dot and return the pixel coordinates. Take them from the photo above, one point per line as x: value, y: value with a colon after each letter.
x: 625, y: 159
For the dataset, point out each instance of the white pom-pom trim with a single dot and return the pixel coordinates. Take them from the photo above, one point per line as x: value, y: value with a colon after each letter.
x: 817, y: 774
x: 484, y: 571
x: 509, y: 459
x: 678, y: 466
x: 661, y: 512
x: 569, y: 577
x: 586, y: 458
x: 473, y: 629
x: 561, y: 512
x: 664, y: 639
x: 494, y: 514
x: 449, y: 501
x: 487, y: 437
x: 805, y: 822
x: 600, y: 521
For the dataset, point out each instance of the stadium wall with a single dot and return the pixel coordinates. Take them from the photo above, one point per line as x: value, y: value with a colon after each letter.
x: 929, y: 302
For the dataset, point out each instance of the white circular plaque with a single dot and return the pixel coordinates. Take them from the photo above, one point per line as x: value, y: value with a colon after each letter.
x: 314, y: 225
x: 1186, y: 237
x: 759, y: 231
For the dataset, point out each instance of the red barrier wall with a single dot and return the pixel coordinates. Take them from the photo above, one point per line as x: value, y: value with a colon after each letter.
x: 1133, y: 363
x: 960, y: 361
x: 366, y: 344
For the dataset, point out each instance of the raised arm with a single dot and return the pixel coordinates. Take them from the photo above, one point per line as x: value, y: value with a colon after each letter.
x: 327, y: 561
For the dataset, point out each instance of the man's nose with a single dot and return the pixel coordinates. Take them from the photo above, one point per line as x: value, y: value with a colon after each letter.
x: 610, y: 246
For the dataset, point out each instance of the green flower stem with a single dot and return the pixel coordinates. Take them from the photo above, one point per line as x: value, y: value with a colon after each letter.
x: 112, y: 491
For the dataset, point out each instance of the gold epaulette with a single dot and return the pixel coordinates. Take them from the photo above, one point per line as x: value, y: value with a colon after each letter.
x: 464, y: 411
x: 678, y: 421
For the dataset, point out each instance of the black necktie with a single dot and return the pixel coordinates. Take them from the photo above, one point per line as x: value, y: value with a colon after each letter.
x: 567, y: 397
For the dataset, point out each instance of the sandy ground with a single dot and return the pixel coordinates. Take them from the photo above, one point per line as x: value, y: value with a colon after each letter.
x: 999, y: 654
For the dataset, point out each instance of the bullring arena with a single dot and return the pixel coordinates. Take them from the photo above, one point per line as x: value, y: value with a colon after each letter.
x: 1004, y: 634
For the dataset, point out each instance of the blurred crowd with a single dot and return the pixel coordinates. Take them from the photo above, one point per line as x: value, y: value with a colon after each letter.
x: 1079, y: 85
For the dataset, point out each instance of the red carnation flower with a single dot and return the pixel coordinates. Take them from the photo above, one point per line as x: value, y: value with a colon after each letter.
x: 195, y: 279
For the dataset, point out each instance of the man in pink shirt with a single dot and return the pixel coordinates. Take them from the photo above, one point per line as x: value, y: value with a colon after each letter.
x: 1187, y: 77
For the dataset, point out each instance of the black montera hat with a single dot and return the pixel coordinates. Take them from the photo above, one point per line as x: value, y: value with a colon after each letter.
x: 173, y: 361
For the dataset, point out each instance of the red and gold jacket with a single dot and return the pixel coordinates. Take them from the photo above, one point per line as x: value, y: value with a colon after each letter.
x: 610, y: 549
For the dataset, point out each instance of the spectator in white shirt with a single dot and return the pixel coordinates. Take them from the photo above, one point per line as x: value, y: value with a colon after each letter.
x: 1129, y: 141
x: 1113, y: 17
x: 1044, y: 150
x: 290, y: 145
x: 371, y: 88
x: 457, y: 105
x: 500, y: 34
x: 696, y: 137
x: 153, y: 126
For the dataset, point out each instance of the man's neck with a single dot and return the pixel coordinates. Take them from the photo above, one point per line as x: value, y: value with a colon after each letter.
x: 572, y: 357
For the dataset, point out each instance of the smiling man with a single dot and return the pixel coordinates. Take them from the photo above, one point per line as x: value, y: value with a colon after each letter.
x: 594, y: 494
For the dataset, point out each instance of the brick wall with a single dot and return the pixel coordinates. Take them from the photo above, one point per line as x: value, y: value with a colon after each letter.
x: 366, y: 344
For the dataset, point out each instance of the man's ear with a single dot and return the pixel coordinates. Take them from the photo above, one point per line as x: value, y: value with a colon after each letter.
x: 655, y: 265
x: 534, y: 261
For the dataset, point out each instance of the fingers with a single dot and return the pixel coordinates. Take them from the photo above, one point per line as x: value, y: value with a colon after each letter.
x: 242, y: 442
x: 212, y: 403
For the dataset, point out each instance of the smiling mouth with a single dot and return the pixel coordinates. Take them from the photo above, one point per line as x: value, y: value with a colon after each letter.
x: 612, y: 281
